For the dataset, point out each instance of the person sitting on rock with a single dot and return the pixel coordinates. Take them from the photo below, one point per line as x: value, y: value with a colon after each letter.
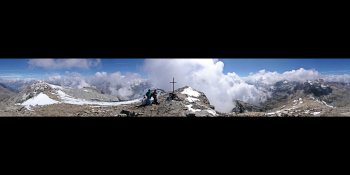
x: 144, y: 101
x: 154, y: 95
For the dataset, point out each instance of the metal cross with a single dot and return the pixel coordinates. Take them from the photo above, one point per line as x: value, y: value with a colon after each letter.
x: 173, y: 84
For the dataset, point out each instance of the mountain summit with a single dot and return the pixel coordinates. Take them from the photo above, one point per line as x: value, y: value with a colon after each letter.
x: 187, y: 102
x: 44, y: 99
x: 287, y: 99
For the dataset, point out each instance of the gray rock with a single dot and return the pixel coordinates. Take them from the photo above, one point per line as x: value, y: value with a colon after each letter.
x: 191, y: 115
x: 242, y: 107
x: 284, y: 115
x: 128, y: 113
x: 122, y: 115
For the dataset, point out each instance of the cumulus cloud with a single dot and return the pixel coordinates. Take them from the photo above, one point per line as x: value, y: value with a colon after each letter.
x: 125, y: 87
x: 50, y: 63
x: 69, y: 79
x: 264, y: 77
x: 205, y: 75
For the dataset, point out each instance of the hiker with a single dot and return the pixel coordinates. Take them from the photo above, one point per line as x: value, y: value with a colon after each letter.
x: 144, y: 101
x: 154, y: 95
x: 148, y: 97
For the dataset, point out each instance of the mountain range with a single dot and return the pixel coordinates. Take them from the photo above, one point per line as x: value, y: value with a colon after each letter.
x: 286, y: 99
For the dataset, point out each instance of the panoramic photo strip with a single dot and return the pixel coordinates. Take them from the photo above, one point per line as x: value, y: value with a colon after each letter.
x: 170, y: 87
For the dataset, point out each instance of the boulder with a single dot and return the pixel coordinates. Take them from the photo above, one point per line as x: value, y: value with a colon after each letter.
x: 191, y: 115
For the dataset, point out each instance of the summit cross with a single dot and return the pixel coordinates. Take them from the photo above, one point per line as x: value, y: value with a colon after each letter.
x: 173, y: 84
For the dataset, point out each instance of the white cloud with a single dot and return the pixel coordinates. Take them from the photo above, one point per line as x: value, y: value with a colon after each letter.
x: 345, y: 78
x: 125, y: 87
x: 264, y: 77
x: 205, y: 75
x: 70, y: 79
x: 11, y: 76
x: 50, y: 63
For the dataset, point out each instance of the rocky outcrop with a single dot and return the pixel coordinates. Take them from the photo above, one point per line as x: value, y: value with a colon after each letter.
x: 5, y: 92
x: 31, y: 91
x: 317, y: 88
x: 242, y: 107
x: 185, y: 102
x: 91, y: 94
x: 285, y: 88
x: 284, y: 91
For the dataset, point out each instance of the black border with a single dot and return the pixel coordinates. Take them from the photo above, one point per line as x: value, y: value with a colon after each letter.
x: 174, y: 52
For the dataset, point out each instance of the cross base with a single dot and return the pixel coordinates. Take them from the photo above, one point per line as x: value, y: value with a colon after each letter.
x: 173, y: 96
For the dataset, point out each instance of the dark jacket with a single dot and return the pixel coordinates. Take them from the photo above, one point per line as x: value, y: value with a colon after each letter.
x: 148, y: 94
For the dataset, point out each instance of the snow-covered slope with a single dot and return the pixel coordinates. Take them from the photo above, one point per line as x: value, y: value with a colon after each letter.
x: 188, y: 101
x: 42, y: 93
x: 39, y: 100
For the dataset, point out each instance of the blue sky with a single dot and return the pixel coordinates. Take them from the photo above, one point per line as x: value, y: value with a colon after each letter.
x: 20, y: 67
x: 325, y: 66
x: 15, y: 67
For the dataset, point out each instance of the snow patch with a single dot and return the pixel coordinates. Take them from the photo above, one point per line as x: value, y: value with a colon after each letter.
x: 190, y: 92
x: 327, y: 104
x: 316, y: 113
x: 41, y: 99
x: 212, y: 112
x: 191, y: 99
x: 55, y: 86
x: 191, y: 109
